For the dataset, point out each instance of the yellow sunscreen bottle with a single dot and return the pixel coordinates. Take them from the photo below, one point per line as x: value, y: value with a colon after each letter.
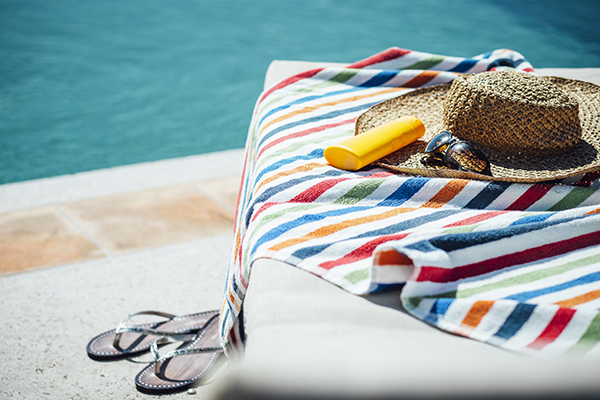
x: 354, y: 153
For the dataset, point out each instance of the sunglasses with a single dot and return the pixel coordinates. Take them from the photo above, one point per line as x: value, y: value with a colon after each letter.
x: 445, y: 150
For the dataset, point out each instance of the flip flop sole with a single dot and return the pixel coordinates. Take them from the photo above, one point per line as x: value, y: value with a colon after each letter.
x: 101, y: 347
x: 183, y: 371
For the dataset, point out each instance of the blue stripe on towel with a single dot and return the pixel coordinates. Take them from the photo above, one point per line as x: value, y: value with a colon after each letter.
x: 464, y: 66
x: 305, y: 219
x: 525, y: 296
x: 380, y: 79
x: 488, y: 195
x: 515, y: 320
x: 407, y: 190
x: 330, y: 115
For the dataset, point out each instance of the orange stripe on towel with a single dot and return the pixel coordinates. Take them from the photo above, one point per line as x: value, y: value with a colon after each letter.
x: 391, y: 257
x: 584, y: 298
x: 309, y: 109
x: 421, y: 79
x: 302, y: 168
x: 447, y: 193
x: 333, y: 228
x: 596, y: 211
x: 476, y: 313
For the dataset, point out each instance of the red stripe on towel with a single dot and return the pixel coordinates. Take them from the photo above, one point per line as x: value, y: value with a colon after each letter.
x: 387, y: 55
x: 587, y: 179
x: 313, y: 193
x: 364, y: 251
x: 290, y: 80
x: 263, y: 208
x: 476, y: 219
x: 443, y: 275
x: 304, y: 133
x: 558, y: 324
x: 527, y: 199
x: 308, y: 192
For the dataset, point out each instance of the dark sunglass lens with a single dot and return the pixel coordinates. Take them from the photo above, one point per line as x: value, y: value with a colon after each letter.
x: 433, y: 160
x: 438, y: 141
x: 463, y: 156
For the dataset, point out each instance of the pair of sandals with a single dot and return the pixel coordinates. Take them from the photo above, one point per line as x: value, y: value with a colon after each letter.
x: 175, y: 371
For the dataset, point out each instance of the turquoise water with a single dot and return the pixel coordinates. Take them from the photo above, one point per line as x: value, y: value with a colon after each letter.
x: 94, y: 84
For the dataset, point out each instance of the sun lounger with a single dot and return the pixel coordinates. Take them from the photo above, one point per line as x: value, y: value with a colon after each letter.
x: 307, y: 338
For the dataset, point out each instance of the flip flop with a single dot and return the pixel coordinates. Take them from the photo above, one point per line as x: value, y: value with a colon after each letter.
x: 187, y: 366
x: 132, y: 340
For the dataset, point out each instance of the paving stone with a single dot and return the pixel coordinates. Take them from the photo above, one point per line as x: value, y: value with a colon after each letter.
x: 223, y: 190
x: 150, y: 218
x: 41, y: 238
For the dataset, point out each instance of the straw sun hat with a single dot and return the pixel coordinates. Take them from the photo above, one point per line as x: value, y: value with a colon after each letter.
x: 531, y: 128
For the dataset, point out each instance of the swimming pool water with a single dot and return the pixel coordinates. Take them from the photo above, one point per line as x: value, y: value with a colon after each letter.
x: 94, y: 84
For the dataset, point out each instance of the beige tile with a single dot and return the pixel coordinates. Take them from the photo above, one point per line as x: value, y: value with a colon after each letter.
x: 223, y: 190
x: 40, y: 238
x: 150, y: 218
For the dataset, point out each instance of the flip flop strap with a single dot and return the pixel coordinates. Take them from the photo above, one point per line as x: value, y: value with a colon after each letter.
x: 158, y: 359
x: 123, y: 327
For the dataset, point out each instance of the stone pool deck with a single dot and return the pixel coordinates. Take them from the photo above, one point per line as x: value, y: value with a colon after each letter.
x: 105, y: 213
x: 78, y: 253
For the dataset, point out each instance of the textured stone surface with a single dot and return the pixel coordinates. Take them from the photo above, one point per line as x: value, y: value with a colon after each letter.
x: 38, y: 238
x: 150, y: 218
x: 223, y: 190
x: 125, y: 179
x: 49, y: 315
x: 183, y: 228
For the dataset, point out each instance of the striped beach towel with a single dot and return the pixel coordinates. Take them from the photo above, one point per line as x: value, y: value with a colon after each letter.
x: 513, y: 265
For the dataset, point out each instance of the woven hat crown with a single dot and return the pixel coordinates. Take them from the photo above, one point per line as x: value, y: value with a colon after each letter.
x: 512, y: 111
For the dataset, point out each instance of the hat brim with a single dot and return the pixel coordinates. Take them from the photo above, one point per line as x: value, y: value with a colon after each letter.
x: 427, y: 105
